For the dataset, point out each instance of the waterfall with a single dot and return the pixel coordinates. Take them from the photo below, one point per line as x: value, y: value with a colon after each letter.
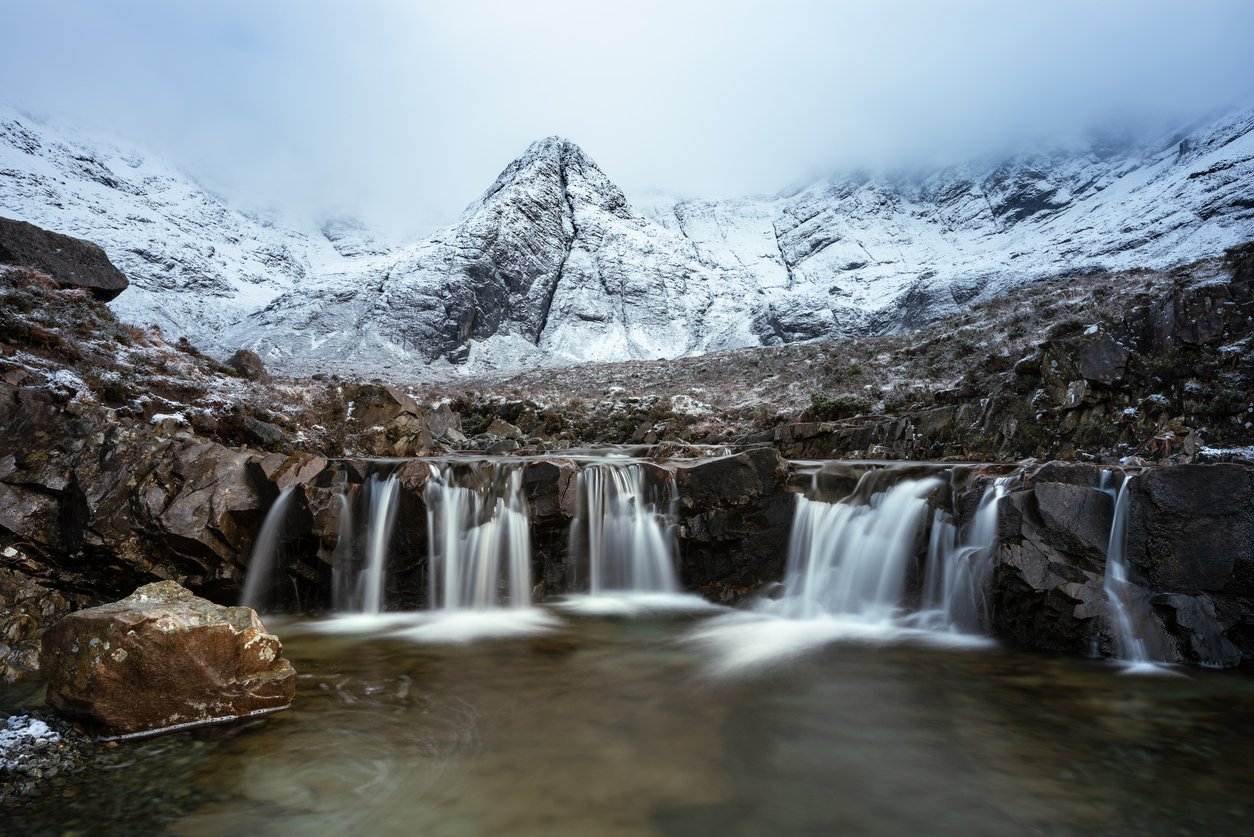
x: 955, y: 588
x: 1128, y: 645
x: 264, y: 560
x: 630, y: 544
x: 381, y: 497
x: 849, y: 559
x: 479, y: 539
x: 342, y: 578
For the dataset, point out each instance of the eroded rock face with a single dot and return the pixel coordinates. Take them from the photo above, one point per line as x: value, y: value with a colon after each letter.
x: 162, y: 659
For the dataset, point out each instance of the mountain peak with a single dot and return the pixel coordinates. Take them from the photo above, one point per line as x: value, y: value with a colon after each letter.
x: 559, y: 169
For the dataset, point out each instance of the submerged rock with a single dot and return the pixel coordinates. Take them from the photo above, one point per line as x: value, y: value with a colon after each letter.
x: 163, y: 659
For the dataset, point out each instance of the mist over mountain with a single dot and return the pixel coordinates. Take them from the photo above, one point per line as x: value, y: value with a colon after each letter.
x: 553, y: 265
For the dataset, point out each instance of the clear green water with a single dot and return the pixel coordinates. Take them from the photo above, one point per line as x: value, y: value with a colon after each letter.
x: 617, y: 727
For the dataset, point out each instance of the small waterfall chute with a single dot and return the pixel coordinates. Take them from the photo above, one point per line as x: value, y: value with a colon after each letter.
x: 1129, y: 646
x: 479, y: 542
x: 343, y: 577
x: 845, y: 577
x: 624, y: 533
x: 849, y: 559
x: 263, y: 563
x: 955, y: 587
x: 382, y: 500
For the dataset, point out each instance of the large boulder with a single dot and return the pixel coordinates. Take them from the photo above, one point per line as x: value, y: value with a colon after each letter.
x: 163, y: 659
x: 72, y: 262
x: 248, y: 364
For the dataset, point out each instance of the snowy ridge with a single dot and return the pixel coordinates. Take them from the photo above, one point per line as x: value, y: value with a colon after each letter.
x: 552, y: 265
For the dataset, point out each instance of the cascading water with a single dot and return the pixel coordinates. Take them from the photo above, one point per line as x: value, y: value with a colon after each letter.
x: 264, y: 560
x: 343, y: 579
x: 381, y: 497
x: 479, y: 541
x: 630, y: 543
x: 955, y: 587
x: 848, y: 559
x: 1128, y: 644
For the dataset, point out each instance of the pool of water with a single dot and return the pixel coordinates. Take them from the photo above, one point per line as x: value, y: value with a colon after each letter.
x: 593, y: 723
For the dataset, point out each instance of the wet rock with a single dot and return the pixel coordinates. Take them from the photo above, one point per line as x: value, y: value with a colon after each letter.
x: 72, y: 262
x: 248, y: 364
x: 1089, y: 476
x: 287, y: 470
x: 1046, y: 590
x: 1077, y: 519
x: 1199, y: 628
x: 1191, y: 529
x: 163, y: 659
x: 735, y: 514
x: 1039, y: 600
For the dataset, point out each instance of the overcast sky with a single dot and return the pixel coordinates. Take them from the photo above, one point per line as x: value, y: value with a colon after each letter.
x: 406, y: 111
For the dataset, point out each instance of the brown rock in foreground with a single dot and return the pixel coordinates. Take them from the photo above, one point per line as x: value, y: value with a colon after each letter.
x: 162, y: 659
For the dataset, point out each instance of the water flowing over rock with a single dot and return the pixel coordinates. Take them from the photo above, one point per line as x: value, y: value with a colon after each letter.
x: 628, y: 541
x: 848, y: 559
x: 955, y: 587
x: 266, y: 556
x: 480, y: 541
x: 164, y: 659
x: 1129, y: 644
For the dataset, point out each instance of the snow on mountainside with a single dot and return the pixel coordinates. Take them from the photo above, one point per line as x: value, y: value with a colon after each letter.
x: 864, y: 254
x: 195, y: 263
x: 552, y: 265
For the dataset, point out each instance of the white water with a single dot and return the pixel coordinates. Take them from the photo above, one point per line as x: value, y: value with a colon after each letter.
x: 849, y: 560
x: 381, y: 495
x: 343, y: 581
x: 265, y: 555
x: 479, y: 542
x: 1119, y: 591
x: 955, y: 588
x: 630, y: 543
x: 844, y: 582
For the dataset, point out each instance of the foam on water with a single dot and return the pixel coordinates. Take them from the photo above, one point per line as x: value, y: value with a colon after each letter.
x: 461, y: 626
x: 637, y: 604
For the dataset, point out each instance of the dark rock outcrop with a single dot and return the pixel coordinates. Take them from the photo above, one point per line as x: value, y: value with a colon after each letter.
x: 248, y: 364
x: 164, y: 659
x: 1189, y: 552
x: 1191, y: 529
x: 735, y: 513
x: 72, y: 262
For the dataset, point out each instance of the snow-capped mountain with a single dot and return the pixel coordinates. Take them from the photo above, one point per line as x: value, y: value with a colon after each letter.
x: 195, y: 263
x: 553, y: 265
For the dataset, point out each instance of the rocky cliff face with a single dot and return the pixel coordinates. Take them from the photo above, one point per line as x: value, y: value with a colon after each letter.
x: 552, y: 265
